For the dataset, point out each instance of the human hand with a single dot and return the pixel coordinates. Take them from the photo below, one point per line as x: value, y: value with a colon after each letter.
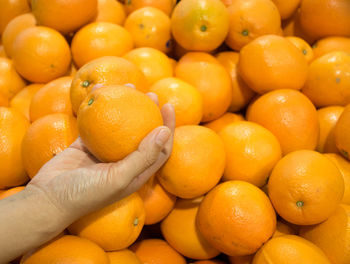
x: 76, y: 183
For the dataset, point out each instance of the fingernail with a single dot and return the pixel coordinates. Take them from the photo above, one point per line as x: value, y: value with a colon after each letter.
x: 162, y: 136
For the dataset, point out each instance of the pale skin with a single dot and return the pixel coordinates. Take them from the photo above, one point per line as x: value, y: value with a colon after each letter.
x: 75, y: 183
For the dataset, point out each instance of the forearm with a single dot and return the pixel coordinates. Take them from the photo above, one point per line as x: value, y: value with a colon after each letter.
x: 27, y: 220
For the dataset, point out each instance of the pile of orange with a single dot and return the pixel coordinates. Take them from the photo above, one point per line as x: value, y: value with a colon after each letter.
x: 260, y: 167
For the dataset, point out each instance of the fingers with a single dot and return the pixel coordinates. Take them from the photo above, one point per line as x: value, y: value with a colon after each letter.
x: 153, y: 97
x: 168, y: 114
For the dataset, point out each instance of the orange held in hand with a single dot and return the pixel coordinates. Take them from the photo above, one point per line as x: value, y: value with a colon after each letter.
x: 113, y: 120
x: 236, y: 218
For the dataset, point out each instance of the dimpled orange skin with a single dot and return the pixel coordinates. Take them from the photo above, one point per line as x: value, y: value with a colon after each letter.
x: 2, y: 51
x: 64, y: 16
x: 13, y: 126
x: 10, y: 81
x: 165, y: 5
x: 181, y: 232
x: 154, y: 64
x: 22, y: 100
x: 60, y: 250
x: 200, y: 25
x: 333, y: 235
x: 327, y: 45
x: 150, y: 27
x: 123, y: 257
x: 305, y: 187
x: 241, y: 93
x: 251, y: 152
x: 100, y: 39
x: 205, y: 73
x: 344, y: 167
x: 286, y: 8
x: 328, y: 81
x: 11, y: 191
x: 11, y: 9
x: 110, y: 11
x: 157, y: 201
x: 303, y: 46
x: 156, y: 251
x: 52, y: 98
x: 196, y: 163
x: 328, y: 117
x: 114, y: 227
x: 185, y: 98
x: 342, y: 135
x: 41, y: 54
x: 223, y: 121
x: 250, y: 19
x: 45, y: 138
x: 130, y: 114
x: 105, y: 71
x: 290, y: 249
x: 271, y: 62
x: 236, y: 218
x: 290, y: 116
x: 13, y: 28
x: 323, y: 18
x: 241, y: 259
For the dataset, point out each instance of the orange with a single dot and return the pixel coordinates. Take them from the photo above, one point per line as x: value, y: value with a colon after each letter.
x: 344, y: 167
x: 181, y: 232
x: 328, y: 117
x: 332, y: 236
x: 70, y: 249
x: 185, y: 98
x: 210, y: 261
x: 341, y: 132
x: 64, y: 16
x: 41, y: 54
x: 205, y: 73
x: 157, y: 201
x: 250, y: 19
x: 45, y: 138
x: 123, y: 257
x: 114, y: 227
x: 284, y: 228
x: 200, y: 25
x: 13, y: 126
x: 13, y: 28
x: 241, y: 93
x: 22, y: 100
x: 241, y: 259
x: 290, y: 116
x: 165, y: 5
x: 272, y: 62
x: 328, y: 81
x: 292, y: 27
x: 251, y: 152
x: 72, y: 70
x: 287, y: 8
x: 52, y: 98
x: 236, y: 218
x: 2, y: 51
x: 289, y: 250
x: 113, y: 120
x: 4, y: 101
x: 303, y: 46
x: 105, y: 71
x: 154, y: 64
x: 173, y: 63
x: 149, y: 27
x: 11, y: 191
x: 156, y: 251
x: 100, y: 39
x: 10, y: 81
x: 11, y: 9
x: 218, y: 124
x: 323, y: 18
x: 196, y: 163
x: 327, y: 45
x: 305, y: 187
x: 110, y: 11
